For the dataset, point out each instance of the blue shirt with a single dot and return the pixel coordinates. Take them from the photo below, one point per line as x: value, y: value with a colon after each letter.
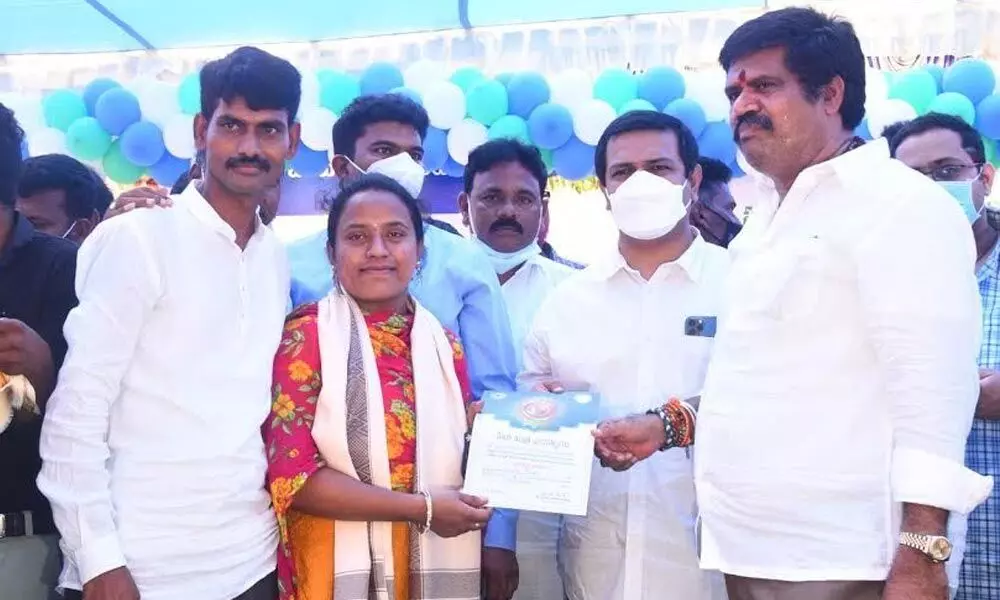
x: 456, y: 283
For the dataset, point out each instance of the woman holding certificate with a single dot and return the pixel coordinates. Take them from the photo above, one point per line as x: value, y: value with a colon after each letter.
x: 366, y: 435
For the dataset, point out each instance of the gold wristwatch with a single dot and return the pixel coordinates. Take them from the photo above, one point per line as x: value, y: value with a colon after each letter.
x: 936, y: 547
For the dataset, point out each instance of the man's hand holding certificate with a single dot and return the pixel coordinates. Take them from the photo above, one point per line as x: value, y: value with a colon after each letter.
x: 534, y: 451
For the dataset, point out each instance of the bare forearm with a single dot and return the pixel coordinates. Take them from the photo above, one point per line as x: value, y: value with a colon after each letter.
x: 333, y: 495
x: 929, y: 520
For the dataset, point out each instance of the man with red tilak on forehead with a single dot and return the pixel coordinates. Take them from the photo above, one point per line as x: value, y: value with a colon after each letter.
x: 831, y: 431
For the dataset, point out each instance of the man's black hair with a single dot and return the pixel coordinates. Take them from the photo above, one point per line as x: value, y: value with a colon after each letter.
x: 647, y: 120
x: 11, y: 139
x: 262, y: 80
x: 817, y: 49
x: 379, y: 108
x: 972, y: 142
x: 85, y: 191
x: 502, y: 151
x: 714, y: 172
x: 890, y: 131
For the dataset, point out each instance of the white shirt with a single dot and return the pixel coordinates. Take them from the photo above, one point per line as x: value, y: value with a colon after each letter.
x: 844, y: 378
x: 525, y: 291
x: 152, y: 451
x: 608, y: 330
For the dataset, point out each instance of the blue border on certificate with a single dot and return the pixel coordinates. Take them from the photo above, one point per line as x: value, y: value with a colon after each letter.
x: 543, y: 411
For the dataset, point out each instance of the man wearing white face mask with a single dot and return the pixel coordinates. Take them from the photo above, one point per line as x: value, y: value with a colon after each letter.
x: 637, y: 328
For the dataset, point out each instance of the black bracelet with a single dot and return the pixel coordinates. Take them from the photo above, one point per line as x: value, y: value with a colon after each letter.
x: 669, y: 435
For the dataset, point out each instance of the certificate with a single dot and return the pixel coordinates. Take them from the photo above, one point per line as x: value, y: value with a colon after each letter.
x: 534, y: 451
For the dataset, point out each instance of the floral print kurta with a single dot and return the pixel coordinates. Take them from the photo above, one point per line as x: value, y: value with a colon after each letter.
x: 305, y: 558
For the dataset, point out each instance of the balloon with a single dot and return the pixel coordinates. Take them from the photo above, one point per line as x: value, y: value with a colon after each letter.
x: 550, y: 126
x: 62, y: 107
x: 862, y: 130
x: 991, y: 152
x: 688, y: 112
x: 717, y: 142
x: 882, y: 114
x: 309, y: 163
x: 422, y: 74
x: 465, y: 137
x: 158, y: 101
x: 915, y: 87
x: 118, y: 168
x: 116, y: 109
x: 408, y: 93
x: 445, y: 104
x: 660, y: 86
x: 616, y: 87
x: 178, y: 136
x: 380, y: 77
x: 988, y: 117
x: 467, y: 78
x: 547, y: 159
x: 574, y: 160
x: 950, y: 103
x: 337, y: 89
x: 504, y: 78
x: 876, y: 86
x: 189, y: 94
x: 142, y: 144
x: 707, y: 88
x: 525, y: 92
x: 510, y: 126
x: 972, y: 78
x: 317, y: 128
x: 25, y: 151
x: 435, y: 149
x: 937, y: 72
x: 453, y: 169
x: 571, y: 88
x: 736, y: 169
x: 87, y: 140
x: 47, y: 140
x: 94, y: 90
x: 487, y: 101
x: 591, y: 119
x: 636, y: 104
x: 168, y: 169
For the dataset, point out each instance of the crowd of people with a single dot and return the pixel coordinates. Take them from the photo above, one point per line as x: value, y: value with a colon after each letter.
x: 805, y: 406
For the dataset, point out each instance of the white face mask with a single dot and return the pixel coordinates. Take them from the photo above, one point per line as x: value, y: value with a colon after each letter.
x: 505, y: 261
x: 401, y: 167
x: 647, y: 207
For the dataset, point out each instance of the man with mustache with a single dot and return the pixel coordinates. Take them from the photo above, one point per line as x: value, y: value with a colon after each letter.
x: 62, y: 196
x: 152, y: 454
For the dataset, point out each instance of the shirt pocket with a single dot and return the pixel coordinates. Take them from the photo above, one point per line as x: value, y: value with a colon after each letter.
x: 784, y: 282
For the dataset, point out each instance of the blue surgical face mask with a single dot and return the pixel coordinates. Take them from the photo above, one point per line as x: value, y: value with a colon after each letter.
x: 962, y: 192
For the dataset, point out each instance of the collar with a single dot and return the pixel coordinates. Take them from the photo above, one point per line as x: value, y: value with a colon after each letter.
x: 198, y: 206
x: 852, y: 168
x: 21, y: 233
x: 691, y: 262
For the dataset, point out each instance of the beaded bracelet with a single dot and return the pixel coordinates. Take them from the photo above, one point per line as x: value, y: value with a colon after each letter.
x: 429, y: 509
x: 678, y: 423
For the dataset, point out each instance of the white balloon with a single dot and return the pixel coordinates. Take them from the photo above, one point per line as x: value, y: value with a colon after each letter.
x: 47, y: 140
x: 178, y: 136
x: 708, y: 88
x: 445, y: 104
x: 571, y: 88
x: 465, y: 137
x: 310, y: 92
x: 876, y: 87
x: 27, y: 110
x: 423, y: 74
x: 317, y: 128
x: 883, y: 113
x: 591, y: 118
x: 157, y: 101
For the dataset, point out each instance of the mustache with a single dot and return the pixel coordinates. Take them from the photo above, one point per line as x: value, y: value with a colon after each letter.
x: 250, y: 161
x: 752, y: 118
x: 513, y: 224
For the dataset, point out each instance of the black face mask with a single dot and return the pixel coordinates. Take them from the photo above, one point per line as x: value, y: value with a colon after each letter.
x: 733, y: 228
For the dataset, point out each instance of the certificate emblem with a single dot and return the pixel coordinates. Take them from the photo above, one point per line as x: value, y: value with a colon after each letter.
x: 536, y: 411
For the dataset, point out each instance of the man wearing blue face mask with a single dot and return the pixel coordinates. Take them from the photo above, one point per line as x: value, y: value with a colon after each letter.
x: 949, y: 151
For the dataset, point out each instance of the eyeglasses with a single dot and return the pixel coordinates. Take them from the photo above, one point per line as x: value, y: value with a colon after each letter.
x: 954, y: 172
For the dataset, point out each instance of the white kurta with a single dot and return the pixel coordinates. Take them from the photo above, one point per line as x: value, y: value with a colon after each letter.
x: 609, y: 331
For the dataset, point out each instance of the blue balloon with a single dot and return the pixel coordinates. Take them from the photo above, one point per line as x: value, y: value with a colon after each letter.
x: 688, y: 112
x: 574, y: 160
x: 661, y: 85
x: 117, y: 109
x: 142, y: 144
x: 93, y: 92
x: 862, y: 130
x: 525, y: 92
x: 937, y: 72
x: 309, y: 163
x: 452, y: 168
x: 972, y: 78
x: 736, y: 169
x: 550, y: 126
x: 409, y: 93
x: 717, y: 142
x: 25, y: 152
x: 504, y: 78
x: 435, y: 149
x: 380, y: 78
x: 169, y: 169
x: 988, y: 117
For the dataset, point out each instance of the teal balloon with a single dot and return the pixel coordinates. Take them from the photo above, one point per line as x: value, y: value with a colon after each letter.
x: 510, y: 126
x: 62, y: 108
x: 547, y: 159
x: 118, y: 168
x: 917, y: 88
x: 467, y: 78
x: 637, y: 104
x: 616, y: 87
x: 189, y: 94
x: 992, y: 155
x: 87, y: 140
x: 337, y: 89
x: 486, y: 102
x: 953, y: 103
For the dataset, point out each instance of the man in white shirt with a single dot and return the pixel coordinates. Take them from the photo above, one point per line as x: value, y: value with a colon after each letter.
x: 504, y: 204
x: 151, y: 447
x: 624, y: 328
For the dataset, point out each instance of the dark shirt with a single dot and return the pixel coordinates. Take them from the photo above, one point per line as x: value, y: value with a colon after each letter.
x: 36, y: 287
x: 549, y: 252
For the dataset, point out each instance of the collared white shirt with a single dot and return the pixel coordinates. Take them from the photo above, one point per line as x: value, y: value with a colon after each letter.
x: 153, y: 457
x: 607, y: 330
x: 525, y: 291
x: 844, y: 378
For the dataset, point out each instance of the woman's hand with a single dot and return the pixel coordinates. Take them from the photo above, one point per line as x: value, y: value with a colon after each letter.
x: 456, y: 513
